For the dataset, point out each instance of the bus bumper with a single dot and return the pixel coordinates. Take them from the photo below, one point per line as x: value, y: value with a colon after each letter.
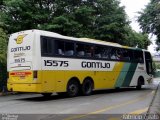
x: 25, y: 87
x: 150, y: 80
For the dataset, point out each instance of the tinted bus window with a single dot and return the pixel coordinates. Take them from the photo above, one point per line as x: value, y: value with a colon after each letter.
x: 69, y: 49
x: 116, y: 54
x: 80, y: 49
x: 59, y: 47
x: 102, y: 52
x: 127, y: 55
x: 46, y: 46
x: 89, y: 50
x: 64, y: 48
x: 138, y: 56
x: 148, y: 56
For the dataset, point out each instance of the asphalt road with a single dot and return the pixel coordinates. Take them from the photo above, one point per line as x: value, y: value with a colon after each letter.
x: 111, y: 102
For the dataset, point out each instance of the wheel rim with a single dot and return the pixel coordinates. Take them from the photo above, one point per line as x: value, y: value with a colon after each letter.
x: 88, y: 87
x: 73, y: 89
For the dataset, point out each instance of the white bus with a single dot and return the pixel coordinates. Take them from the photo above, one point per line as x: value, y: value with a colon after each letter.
x: 46, y: 62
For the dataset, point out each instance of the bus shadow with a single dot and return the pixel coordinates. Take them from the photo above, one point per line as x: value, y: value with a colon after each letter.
x: 109, y: 91
x: 40, y: 98
x: 55, y: 97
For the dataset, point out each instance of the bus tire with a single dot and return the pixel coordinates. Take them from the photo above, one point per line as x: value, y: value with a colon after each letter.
x: 46, y: 94
x: 139, y: 87
x: 72, y: 88
x: 140, y: 83
x: 87, y: 87
x: 117, y: 88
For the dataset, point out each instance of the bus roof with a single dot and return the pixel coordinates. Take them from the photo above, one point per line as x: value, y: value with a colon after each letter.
x: 56, y: 35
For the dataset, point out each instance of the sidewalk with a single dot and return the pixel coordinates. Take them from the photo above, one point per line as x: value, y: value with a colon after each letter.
x: 7, y: 93
x: 155, y: 105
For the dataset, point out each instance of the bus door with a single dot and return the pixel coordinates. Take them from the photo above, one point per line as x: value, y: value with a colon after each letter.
x: 148, y: 63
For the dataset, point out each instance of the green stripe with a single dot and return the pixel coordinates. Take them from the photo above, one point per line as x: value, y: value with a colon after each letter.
x: 130, y: 74
x: 122, y: 75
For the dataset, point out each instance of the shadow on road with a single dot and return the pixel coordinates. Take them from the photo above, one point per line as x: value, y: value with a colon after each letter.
x: 40, y: 98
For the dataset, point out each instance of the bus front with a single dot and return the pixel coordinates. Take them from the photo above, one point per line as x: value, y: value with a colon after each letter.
x: 20, y: 65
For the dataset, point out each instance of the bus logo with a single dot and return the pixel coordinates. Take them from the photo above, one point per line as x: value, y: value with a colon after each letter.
x: 19, y: 39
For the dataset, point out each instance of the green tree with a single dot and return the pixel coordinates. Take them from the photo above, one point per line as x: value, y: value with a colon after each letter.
x: 135, y: 39
x: 111, y: 21
x: 149, y: 19
x: 3, y: 56
x: 3, y: 46
x: 99, y: 19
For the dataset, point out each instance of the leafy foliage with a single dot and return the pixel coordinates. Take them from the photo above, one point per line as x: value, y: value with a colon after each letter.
x: 158, y: 66
x: 149, y: 19
x: 100, y: 19
x: 3, y: 46
x: 135, y: 39
x: 3, y: 55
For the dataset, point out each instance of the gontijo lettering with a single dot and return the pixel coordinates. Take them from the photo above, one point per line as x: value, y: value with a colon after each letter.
x: 95, y: 65
x: 20, y: 48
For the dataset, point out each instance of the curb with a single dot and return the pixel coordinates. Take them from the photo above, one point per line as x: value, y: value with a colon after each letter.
x: 154, y: 107
x: 7, y: 93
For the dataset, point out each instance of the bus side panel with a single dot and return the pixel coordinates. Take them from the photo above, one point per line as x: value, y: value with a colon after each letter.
x: 117, y: 71
x: 48, y: 80
x: 122, y: 75
x: 130, y: 74
x: 80, y: 75
x: 102, y: 79
x: 140, y: 71
x: 107, y: 79
x: 60, y: 81
x: 126, y: 75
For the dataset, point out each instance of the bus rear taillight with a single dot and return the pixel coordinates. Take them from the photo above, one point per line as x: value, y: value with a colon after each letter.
x: 12, y: 74
x: 20, y: 74
x: 35, y: 74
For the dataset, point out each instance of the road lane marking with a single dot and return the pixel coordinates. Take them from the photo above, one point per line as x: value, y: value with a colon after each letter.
x: 140, y: 111
x: 109, y: 107
x: 153, y: 91
x: 114, y: 118
x: 136, y: 112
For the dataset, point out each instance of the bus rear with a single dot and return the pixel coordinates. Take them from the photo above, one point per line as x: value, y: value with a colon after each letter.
x: 20, y: 62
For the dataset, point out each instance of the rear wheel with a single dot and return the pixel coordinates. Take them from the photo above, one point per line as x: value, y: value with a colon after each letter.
x: 72, y: 88
x: 140, y: 83
x: 87, y: 87
x: 139, y: 87
x: 117, y: 88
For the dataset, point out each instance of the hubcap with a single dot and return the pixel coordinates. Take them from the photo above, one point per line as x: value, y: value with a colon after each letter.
x: 88, y: 87
x: 73, y: 89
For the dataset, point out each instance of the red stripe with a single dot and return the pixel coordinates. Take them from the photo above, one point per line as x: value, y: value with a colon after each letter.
x: 21, y: 73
